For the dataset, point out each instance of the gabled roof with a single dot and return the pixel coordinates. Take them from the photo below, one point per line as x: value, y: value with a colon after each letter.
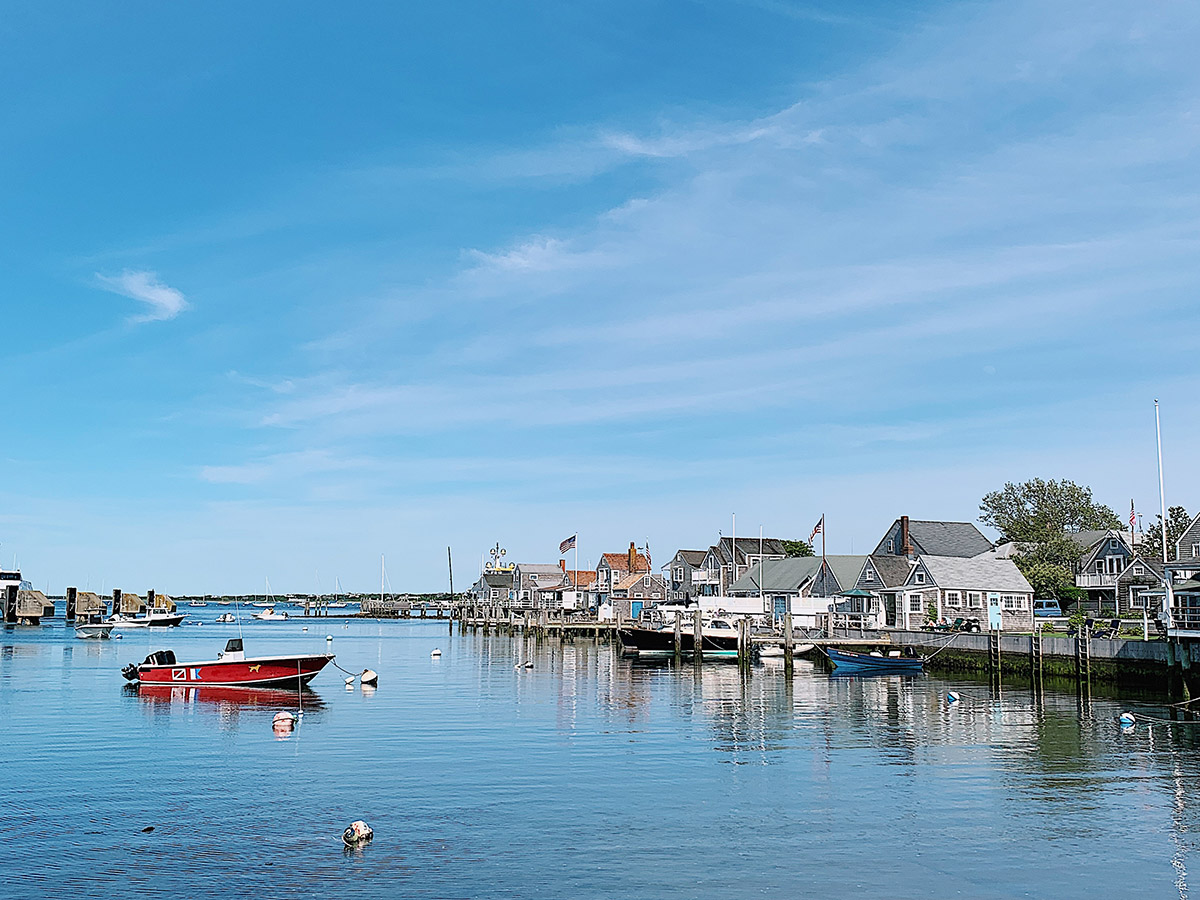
x: 691, y: 557
x: 1155, y: 566
x: 891, y: 570
x: 944, y: 539
x: 580, y: 577
x: 497, y: 579
x: 788, y: 574
x: 845, y: 569
x: 630, y: 581
x: 1086, y: 540
x: 749, y: 546
x: 621, y: 561
x: 977, y: 574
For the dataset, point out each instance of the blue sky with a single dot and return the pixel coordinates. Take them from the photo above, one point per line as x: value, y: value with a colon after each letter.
x: 287, y: 286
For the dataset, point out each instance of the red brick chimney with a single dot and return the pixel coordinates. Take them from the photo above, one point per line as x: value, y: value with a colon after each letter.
x: 562, y: 564
x: 905, y: 544
x: 632, y: 558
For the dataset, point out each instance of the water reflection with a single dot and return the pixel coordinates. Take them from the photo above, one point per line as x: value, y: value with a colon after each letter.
x: 227, y: 704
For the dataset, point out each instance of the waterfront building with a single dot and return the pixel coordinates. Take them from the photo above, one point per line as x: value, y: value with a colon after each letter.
x: 614, y: 567
x: 494, y: 588
x: 1103, y: 556
x: 884, y: 575
x: 1139, y: 587
x: 635, y: 591
x: 683, y: 575
x: 926, y: 537
x: 727, y: 560
x: 531, y: 580
x: 949, y: 587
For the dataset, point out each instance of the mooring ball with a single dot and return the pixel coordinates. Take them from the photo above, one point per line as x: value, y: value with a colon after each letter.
x: 952, y: 697
x: 349, y: 679
x: 1127, y: 718
x: 284, y: 718
x: 369, y: 676
x: 357, y: 833
x: 329, y: 637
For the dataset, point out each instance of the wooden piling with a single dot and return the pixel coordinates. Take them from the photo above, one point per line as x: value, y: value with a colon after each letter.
x: 678, y: 635
x: 72, y: 596
x: 10, y: 604
x: 789, y: 643
x: 697, y: 637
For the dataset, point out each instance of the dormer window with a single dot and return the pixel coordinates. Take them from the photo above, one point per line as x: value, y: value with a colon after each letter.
x: 919, y: 577
x: 1139, y: 570
x: 868, y: 574
x: 890, y: 545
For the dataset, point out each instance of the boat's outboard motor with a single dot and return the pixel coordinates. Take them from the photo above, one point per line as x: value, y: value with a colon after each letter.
x: 130, y: 672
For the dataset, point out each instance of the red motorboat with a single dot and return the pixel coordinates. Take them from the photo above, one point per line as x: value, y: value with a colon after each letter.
x: 231, y: 669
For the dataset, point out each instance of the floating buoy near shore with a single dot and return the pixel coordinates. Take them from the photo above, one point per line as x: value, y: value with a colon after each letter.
x: 328, y: 638
x: 529, y: 665
x: 305, y: 628
x: 284, y: 718
x: 349, y: 680
x: 357, y: 833
x: 436, y: 652
x: 1127, y: 718
x: 952, y: 697
x: 369, y: 676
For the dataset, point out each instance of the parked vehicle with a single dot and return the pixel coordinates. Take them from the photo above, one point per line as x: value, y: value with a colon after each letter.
x: 1047, y: 608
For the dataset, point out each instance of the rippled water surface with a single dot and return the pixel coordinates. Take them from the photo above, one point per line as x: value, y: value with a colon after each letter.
x: 588, y: 775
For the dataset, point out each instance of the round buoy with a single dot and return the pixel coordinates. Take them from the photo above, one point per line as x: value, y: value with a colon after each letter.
x: 369, y: 676
x: 529, y: 665
x: 952, y: 697
x: 284, y: 718
x: 305, y: 628
x: 349, y: 680
x: 357, y: 833
x: 435, y: 653
x: 1127, y: 718
x: 328, y: 638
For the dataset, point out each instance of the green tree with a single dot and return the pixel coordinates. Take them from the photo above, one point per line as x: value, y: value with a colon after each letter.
x: 797, y: 548
x: 1038, y: 510
x: 1049, y: 579
x: 1177, y: 523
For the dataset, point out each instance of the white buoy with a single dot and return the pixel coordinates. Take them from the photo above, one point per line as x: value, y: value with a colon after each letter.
x: 952, y: 697
x: 305, y: 628
x: 349, y: 680
x: 284, y: 718
x: 529, y: 665
x: 1128, y: 718
x: 369, y: 676
x: 436, y: 652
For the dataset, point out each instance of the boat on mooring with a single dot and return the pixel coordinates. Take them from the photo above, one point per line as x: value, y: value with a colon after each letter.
x: 95, y: 628
x: 718, y: 637
x: 269, y: 615
x: 154, y: 618
x: 895, y: 662
x: 231, y: 668
x: 225, y: 618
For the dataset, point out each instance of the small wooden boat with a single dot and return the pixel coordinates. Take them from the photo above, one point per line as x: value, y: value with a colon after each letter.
x: 893, y: 662
x: 232, y: 668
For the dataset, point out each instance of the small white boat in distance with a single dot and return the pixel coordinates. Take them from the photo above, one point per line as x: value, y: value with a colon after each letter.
x: 776, y: 650
x: 269, y: 615
x: 226, y: 617
x: 93, y: 629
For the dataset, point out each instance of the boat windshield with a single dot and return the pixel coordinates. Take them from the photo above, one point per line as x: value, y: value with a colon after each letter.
x: 234, y: 645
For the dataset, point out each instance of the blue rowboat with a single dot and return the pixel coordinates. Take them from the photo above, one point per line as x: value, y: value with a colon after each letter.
x: 848, y: 661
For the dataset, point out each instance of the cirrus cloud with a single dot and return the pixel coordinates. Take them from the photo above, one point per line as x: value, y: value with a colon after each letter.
x: 162, y: 301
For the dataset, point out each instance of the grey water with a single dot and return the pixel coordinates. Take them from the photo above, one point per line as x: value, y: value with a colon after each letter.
x: 588, y: 775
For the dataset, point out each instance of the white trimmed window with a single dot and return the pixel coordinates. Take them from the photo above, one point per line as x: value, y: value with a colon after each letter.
x: 974, y: 601
x: 919, y: 577
x: 914, y: 603
x: 1195, y: 549
x: 868, y: 574
x: 889, y: 546
x: 953, y: 598
x: 1137, y: 598
x: 1012, y: 601
x: 1139, y: 570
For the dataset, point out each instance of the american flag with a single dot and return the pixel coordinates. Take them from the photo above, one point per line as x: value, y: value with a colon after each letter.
x: 817, y: 529
x: 568, y: 544
x: 1132, y: 516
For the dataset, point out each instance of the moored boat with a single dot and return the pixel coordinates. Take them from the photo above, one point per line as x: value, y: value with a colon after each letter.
x: 894, y: 662
x: 154, y: 618
x: 232, y: 668
x: 719, y: 637
x: 94, y: 628
x: 776, y: 650
x: 269, y: 615
x: 226, y: 617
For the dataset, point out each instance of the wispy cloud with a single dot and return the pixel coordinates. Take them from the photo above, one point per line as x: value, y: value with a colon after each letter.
x: 162, y: 301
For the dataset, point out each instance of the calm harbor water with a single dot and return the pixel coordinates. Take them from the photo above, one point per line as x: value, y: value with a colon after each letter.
x: 589, y: 775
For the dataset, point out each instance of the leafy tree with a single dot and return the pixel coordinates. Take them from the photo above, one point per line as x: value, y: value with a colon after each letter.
x: 1038, y: 510
x: 1049, y: 579
x: 797, y: 548
x: 1177, y: 523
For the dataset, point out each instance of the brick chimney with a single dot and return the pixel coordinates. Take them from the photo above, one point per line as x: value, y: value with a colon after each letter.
x: 905, y: 543
x: 632, y: 557
x: 562, y: 564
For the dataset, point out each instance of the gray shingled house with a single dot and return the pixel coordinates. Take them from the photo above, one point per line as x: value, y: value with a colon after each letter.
x: 923, y: 537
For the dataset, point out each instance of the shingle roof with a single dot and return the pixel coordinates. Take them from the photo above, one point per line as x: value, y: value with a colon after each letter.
x: 692, y: 557
x: 779, y: 575
x: 1086, y: 540
x: 845, y: 569
x: 498, y: 579
x: 891, y: 570
x: 621, y: 561
x: 539, y: 569
x: 947, y: 538
x: 635, y: 579
x: 581, y: 577
x: 979, y: 574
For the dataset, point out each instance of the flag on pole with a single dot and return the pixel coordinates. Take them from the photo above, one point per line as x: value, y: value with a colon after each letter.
x: 568, y: 543
x: 1132, y: 516
x: 817, y: 529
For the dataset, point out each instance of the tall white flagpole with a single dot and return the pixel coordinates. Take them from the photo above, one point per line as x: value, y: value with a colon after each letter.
x: 1162, y: 505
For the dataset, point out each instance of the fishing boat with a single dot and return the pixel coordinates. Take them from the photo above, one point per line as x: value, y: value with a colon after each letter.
x: 154, y: 618
x: 269, y: 615
x: 93, y: 629
x: 718, y: 637
x: 231, y: 668
x: 893, y: 662
x: 198, y: 603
